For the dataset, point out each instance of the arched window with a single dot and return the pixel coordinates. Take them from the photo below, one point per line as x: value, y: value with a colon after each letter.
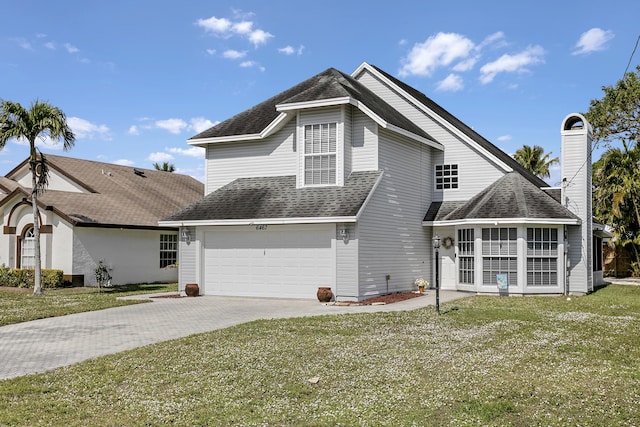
x: 28, y: 249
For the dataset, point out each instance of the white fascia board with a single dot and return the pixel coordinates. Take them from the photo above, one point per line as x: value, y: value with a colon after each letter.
x: 502, y: 221
x: 275, y: 125
x: 259, y: 221
x: 313, y: 104
x: 433, y: 114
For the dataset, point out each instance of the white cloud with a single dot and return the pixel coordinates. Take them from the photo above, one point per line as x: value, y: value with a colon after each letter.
x: 191, y: 152
x: 437, y: 51
x: 124, y: 162
x: 70, y: 48
x: 465, y: 65
x: 226, y: 28
x: 496, y: 39
x: 234, y: 54
x: 243, y: 27
x: 259, y: 37
x: 592, y: 41
x: 517, y: 63
x: 504, y: 138
x: 290, y: 50
x: 84, y: 129
x: 214, y: 25
x: 133, y: 130
x: 160, y: 156
x: 200, y: 124
x: 23, y: 43
x: 452, y: 83
x: 211, y: 51
x: 172, y: 125
x: 50, y: 45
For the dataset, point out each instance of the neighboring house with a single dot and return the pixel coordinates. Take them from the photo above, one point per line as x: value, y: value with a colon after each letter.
x: 343, y: 181
x: 94, y: 212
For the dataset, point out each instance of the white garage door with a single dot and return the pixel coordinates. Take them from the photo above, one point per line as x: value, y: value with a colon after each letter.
x: 271, y: 261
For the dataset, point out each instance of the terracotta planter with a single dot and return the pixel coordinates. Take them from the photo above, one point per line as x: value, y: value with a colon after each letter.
x: 192, y: 289
x: 324, y: 294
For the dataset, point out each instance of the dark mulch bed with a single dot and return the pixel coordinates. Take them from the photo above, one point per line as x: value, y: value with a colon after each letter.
x: 389, y: 298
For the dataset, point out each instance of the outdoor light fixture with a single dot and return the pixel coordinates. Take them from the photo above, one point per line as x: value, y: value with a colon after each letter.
x: 436, y: 246
x: 186, y: 236
x: 344, y: 233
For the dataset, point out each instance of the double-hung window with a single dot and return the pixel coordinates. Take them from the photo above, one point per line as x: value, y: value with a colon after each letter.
x: 320, y: 145
x: 542, y: 256
x: 499, y: 255
x: 168, y: 250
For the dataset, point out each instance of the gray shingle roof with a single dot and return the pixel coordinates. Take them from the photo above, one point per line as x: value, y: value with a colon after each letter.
x: 329, y: 84
x: 278, y: 197
x: 117, y: 196
x: 479, y: 139
x: 511, y: 196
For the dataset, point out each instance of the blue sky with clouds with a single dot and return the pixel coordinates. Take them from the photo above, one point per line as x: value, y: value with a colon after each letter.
x: 138, y: 78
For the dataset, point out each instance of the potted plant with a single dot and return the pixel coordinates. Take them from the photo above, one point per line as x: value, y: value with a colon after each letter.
x: 421, y: 284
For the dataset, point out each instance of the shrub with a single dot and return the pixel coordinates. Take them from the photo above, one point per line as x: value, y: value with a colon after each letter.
x: 24, y: 278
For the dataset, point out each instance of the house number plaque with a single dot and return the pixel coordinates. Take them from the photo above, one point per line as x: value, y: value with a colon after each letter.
x: 261, y: 227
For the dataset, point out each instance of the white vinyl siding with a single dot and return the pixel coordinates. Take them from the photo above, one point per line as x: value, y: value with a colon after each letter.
x: 347, y: 263
x: 392, y: 240
x: 273, y: 156
x: 364, y: 143
x: 485, y: 172
x: 187, y: 257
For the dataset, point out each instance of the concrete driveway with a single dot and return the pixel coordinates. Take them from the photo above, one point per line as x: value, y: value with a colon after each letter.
x: 46, y: 344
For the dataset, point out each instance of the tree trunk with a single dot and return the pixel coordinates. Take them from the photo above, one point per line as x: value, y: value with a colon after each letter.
x: 37, y: 280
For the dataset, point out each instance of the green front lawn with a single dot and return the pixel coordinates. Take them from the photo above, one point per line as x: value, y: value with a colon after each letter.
x: 19, y: 305
x: 485, y: 361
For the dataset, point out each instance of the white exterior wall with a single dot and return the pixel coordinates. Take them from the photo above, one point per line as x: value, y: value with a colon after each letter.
x: 272, y: 156
x: 448, y: 264
x: 133, y: 256
x: 392, y: 240
x: 187, y: 257
x: 347, y: 263
x: 476, y: 171
x: 57, y: 181
x: 576, y: 196
x: 364, y: 143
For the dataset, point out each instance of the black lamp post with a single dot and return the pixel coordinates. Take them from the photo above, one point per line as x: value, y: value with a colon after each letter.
x: 436, y: 246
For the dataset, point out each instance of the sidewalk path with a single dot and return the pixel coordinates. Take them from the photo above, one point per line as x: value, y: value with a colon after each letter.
x: 46, y: 344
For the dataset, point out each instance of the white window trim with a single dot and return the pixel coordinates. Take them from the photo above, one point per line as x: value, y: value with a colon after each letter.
x: 435, y: 176
x: 300, y: 125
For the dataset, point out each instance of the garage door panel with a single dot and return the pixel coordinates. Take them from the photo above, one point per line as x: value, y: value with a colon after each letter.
x: 279, y: 262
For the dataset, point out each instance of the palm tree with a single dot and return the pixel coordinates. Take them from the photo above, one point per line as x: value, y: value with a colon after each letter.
x: 166, y: 167
x: 41, y: 120
x: 616, y: 199
x: 535, y: 160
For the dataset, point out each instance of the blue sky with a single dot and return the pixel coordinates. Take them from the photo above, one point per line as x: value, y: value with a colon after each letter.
x: 138, y: 78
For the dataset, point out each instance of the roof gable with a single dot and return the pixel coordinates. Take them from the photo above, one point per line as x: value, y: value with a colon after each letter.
x: 332, y: 86
x: 510, y: 197
x: 118, y: 196
x: 472, y: 135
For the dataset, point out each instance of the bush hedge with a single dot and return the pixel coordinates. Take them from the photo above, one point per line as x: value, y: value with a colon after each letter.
x: 24, y: 278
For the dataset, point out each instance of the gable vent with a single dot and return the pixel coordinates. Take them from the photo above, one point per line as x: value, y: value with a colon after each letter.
x: 138, y: 172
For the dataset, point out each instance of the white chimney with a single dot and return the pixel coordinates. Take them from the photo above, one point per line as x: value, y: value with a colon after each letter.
x: 577, y: 136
